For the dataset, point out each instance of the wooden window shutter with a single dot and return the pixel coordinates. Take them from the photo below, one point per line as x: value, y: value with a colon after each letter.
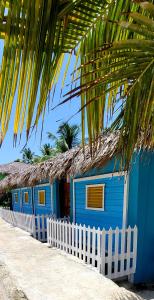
x: 26, y: 196
x: 42, y: 197
x: 95, y: 196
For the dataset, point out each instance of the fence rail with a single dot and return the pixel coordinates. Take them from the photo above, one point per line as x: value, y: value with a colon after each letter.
x: 113, y: 252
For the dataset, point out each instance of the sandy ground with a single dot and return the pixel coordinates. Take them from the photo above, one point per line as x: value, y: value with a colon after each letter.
x: 31, y: 269
x: 8, y: 289
x: 146, y: 292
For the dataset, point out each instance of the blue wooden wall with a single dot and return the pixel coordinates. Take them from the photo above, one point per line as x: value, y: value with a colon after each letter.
x: 26, y: 208
x: 111, y: 166
x: 141, y: 213
x: 48, y: 207
x: 112, y: 215
x: 33, y: 205
x: 16, y: 206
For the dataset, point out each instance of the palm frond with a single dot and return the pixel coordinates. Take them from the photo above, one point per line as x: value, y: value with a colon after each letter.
x: 36, y: 35
x: 118, y: 71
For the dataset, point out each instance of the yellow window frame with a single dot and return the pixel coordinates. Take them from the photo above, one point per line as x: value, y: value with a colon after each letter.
x: 95, y: 196
x: 41, y: 197
x: 26, y: 197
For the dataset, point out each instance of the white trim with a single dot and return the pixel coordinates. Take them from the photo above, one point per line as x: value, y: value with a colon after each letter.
x: 15, y: 190
x: 108, y: 175
x: 24, y: 198
x: 93, y: 208
x: 29, y: 187
x: 125, y: 200
x: 38, y: 197
x: 40, y: 185
x: 25, y: 188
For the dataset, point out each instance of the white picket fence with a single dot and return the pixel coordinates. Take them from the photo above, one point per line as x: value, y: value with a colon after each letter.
x: 35, y: 225
x: 40, y: 227
x: 23, y: 221
x: 113, y: 252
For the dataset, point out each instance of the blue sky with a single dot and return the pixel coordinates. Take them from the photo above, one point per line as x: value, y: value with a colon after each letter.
x: 53, y: 119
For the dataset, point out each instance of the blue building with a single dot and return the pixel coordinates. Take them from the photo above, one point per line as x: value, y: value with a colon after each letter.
x: 35, y: 200
x: 102, y: 197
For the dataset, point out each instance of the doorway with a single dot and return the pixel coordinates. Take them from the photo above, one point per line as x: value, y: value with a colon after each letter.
x: 64, y: 198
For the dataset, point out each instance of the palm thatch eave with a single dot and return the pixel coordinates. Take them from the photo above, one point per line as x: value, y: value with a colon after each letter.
x: 13, y: 167
x: 71, y: 163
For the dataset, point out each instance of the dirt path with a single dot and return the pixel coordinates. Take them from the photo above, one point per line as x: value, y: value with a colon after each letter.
x: 49, y: 274
x: 3, y: 292
x: 8, y: 289
x: 146, y: 292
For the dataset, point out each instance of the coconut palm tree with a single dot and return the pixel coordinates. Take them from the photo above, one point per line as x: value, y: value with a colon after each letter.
x: 67, y: 137
x: 46, y: 150
x: 27, y: 156
x: 114, y: 41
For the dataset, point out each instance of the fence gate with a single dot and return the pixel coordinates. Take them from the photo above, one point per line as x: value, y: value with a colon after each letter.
x: 112, y: 252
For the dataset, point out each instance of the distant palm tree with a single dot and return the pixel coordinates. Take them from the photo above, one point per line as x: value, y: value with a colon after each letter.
x: 68, y: 137
x: 48, y: 152
x: 27, y: 156
x: 46, y: 149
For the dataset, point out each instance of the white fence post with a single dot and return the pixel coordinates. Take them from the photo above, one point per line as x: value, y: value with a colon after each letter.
x: 99, y: 249
x: 109, y: 257
x: 116, y: 251
x: 103, y: 252
x: 135, y: 233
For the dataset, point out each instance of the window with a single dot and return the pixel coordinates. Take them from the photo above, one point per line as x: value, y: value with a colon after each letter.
x: 26, y: 197
x: 95, y: 196
x: 41, y: 197
x: 16, y: 197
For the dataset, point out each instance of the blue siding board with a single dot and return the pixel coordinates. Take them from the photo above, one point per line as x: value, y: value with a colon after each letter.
x: 27, y: 208
x: 111, y: 166
x: 43, y: 209
x: 141, y: 213
x: 112, y: 215
x: 16, y: 206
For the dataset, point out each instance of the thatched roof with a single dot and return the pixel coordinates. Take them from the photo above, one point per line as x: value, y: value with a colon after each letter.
x: 13, y: 167
x: 106, y: 149
x: 72, y: 162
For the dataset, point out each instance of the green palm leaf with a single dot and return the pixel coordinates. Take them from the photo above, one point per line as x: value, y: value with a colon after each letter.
x: 121, y: 74
x: 37, y: 34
